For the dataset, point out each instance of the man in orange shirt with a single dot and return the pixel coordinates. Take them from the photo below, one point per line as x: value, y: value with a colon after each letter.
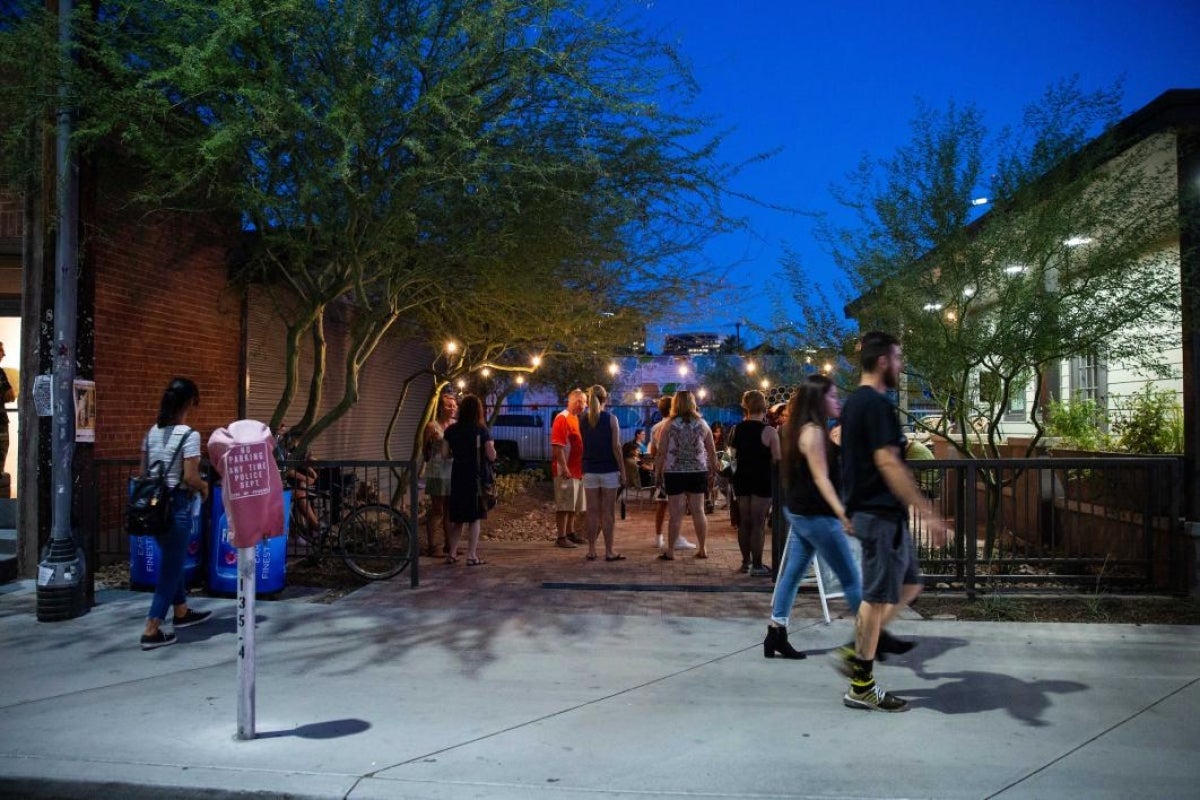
x: 566, y: 467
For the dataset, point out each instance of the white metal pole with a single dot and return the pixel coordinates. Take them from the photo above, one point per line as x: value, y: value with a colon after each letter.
x: 245, y: 642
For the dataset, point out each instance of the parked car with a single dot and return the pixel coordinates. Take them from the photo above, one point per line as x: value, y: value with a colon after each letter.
x: 520, y: 438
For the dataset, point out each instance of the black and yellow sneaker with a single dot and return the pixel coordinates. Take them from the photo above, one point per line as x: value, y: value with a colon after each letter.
x: 873, y: 699
x: 843, y: 659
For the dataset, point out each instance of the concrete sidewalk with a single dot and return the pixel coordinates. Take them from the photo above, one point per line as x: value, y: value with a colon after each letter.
x: 361, y: 700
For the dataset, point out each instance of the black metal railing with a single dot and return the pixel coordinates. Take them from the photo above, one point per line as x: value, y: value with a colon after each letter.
x: 1101, y: 524
x: 1078, y: 524
x: 393, y: 483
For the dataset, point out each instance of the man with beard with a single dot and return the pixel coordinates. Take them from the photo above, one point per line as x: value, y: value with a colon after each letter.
x: 878, y: 489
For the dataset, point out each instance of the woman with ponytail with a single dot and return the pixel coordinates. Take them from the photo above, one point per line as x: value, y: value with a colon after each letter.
x: 603, y: 476
x: 811, y: 472
x: 177, y: 446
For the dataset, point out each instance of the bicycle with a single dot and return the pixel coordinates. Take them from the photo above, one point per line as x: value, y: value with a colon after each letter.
x: 373, y: 539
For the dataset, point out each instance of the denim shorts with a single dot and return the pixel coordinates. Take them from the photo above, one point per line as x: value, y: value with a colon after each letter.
x: 602, y: 480
x: 889, y: 560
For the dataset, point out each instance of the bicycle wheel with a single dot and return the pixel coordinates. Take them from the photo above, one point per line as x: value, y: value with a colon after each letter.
x: 374, y: 541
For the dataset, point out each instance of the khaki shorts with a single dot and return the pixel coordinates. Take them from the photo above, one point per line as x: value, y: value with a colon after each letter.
x: 568, y: 495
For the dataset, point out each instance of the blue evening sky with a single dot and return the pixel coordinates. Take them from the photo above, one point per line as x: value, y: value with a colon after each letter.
x: 831, y: 81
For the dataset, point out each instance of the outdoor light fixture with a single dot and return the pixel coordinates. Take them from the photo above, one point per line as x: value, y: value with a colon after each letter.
x: 932, y: 307
x: 750, y: 367
x: 683, y: 370
x: 638, y: 395
x: 702, y: 393
x: 1078, y: 241
x: 827, y: 368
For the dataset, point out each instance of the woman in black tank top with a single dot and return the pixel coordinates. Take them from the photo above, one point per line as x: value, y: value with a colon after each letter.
x: 811, y: 477
x: 756, y: 449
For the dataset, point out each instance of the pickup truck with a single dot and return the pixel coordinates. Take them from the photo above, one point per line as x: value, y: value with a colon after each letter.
x: 520, y: 438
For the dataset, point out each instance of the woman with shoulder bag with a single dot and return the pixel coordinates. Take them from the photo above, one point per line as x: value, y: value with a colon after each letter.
x: 812, y: 478
x: 177, y: 446
x: 469, y: 443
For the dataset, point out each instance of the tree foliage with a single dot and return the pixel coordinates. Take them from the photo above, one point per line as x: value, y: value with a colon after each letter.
x: 1071, y: 258
x: 506, y: 173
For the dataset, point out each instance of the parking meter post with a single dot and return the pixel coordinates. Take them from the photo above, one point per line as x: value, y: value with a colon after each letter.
x: 245, y: 642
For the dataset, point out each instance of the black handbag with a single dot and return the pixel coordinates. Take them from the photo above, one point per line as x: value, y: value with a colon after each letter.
x: 486, y: 477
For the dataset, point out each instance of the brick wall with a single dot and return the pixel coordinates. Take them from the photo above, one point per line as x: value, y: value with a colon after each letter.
x: 162, y: 308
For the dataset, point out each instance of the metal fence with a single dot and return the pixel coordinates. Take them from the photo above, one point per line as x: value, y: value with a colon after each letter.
x: 1105, y: 524
x: 392, y: 483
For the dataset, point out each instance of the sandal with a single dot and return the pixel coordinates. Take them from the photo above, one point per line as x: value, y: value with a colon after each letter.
x: 451, y: 559
x: 701, y: 555
x: 475, y: 562
x: 665, y: 557
x: 615, y: 557
x: 590, y: 556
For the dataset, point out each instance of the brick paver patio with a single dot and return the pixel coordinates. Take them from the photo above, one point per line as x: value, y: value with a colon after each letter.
x: 539, y: 576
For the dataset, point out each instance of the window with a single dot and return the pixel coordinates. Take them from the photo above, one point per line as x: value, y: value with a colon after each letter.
x: 1089, y: 379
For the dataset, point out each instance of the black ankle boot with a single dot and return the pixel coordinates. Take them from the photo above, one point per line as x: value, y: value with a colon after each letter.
x: 890, y: 645
x: 777, y: 642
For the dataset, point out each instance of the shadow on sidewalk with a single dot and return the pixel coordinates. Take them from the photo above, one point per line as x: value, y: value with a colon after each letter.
x: 331, y: 729
x: 973, y: 692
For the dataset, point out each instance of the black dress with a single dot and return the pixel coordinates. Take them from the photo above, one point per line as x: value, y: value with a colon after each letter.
x: 467, y: 444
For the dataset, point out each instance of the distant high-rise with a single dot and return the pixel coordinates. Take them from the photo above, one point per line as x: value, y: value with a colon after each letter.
x: 692, y: 344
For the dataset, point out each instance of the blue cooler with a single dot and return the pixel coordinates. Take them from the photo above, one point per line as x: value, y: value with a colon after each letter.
x: 270, y: 555
x: 145, y: 555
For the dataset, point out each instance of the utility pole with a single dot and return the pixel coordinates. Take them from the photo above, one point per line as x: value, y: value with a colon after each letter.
x: 61, y: 572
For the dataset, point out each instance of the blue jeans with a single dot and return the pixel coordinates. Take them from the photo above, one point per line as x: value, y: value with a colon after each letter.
x: 810, y: 535
x: 170, y: 589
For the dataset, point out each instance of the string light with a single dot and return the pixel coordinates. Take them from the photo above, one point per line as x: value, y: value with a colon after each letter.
x: 536, y: 361
x: 638, y: 395
x: 451, y: 346
x: 683, y: 370
x: 462, y: 384
x: 702, y: 393
x: 766, y: 384
x: 750, y: 367
x: 520, y: 379
x: 485, y: 372
x: 613, y: 369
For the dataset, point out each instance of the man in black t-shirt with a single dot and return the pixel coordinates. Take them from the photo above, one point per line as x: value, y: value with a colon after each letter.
x: 879, y: 489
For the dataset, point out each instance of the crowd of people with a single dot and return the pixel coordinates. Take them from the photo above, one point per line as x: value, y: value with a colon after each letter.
x: 841, y: 468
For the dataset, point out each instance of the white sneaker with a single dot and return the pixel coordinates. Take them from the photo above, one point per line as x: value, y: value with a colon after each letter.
x: 683, y: 544
x: 658, y: 542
